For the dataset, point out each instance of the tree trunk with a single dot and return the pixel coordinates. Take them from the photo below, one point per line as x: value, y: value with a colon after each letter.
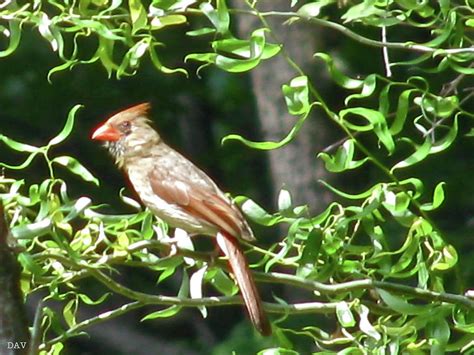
x: 14, y: 334
x: 294, y: 166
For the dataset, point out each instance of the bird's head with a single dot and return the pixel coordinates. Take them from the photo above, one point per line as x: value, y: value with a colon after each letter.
x: 128, y: 133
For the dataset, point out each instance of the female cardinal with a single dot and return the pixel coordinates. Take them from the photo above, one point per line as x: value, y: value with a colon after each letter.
x: 181, y: 194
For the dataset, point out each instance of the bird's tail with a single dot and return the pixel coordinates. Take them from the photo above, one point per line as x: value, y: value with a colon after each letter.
x: 240, y: 268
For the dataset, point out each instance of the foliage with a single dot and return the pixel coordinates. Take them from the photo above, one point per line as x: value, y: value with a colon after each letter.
x: 376, y: 261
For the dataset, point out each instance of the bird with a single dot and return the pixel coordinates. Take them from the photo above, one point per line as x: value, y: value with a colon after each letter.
x: 182, y: 195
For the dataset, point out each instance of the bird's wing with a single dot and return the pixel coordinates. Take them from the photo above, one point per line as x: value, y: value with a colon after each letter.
x: 201, y: 199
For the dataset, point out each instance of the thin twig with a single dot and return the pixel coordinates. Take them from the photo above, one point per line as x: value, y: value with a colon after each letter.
x: 76, y: 329
x: 386, y: 59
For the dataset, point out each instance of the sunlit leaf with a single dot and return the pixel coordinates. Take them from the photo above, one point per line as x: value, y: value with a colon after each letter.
x: 67, y: 129
x: 158, y: 23
x: 297, y: 95
x: 269, y: 145
x: 365, y: 324
x: 19, y: 147
x: 336, y: 75
x: 421, y: 152
x: 165, y: 313
x: 343, y: 159
x: 313, y: 9
x: 14, y: 33
x: 195, y: 287
x: 77, y: 168
x: 138, y: 15
x: 344, y: 315
x: 438, y: 198
x: 284, y: 200
x: 376, y: 122
x: 258, y: 214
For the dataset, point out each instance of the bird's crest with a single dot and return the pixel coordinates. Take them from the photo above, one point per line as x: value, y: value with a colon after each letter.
x: 137, y: 110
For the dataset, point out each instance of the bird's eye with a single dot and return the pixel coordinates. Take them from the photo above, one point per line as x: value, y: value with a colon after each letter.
x: 125, y: 127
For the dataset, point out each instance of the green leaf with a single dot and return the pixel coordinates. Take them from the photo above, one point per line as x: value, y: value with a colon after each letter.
x: 181, y: 5
x: 359, y: 196
x: 343, y: 159
x: 258, y: 214
x: 56, y: 349
x: 344, y: 315
x: 437, y: 105
x: 444, y: 260
x: 50, y: 32
x: 365, y: 324
x: 312, y: 247
x: 269, y: 145
x: 77, y: 168
x: 89, y: 301
x: 32, y: 230
x: 138, y: 15
x: 336, y: 75
x: 68, y: 65
x: 368, y: 87
x: 164, y: 313
x: 157, y: 63
x: 14, y: 33
x: 195, y: 282
x: 362, y: 11
x: 19, y: 147
x: 447, y: 140
x: 146, y: 230
x: 77, y: 208
x: 396, y: 202
x: 249, y: 53
x: 223, y: 17
x: 376, y: 121
x: 421, y: 152
x: 402, y: 111
x: 28, y: 263
x: 69, y: 312
x: 184, y: 287
x: 219, y: 18
x: 66, y: 131
x: 438, y: 198
x: 284, y: 200
x: 439, y: 333
x: 297, y: 96
x: 406, y: 260
x: 200, y: 32
x: 313, y: 9
x: 446, y: 32
x: 100, y: 28
x: 159, y: 22
x: 195, y: 287
x: 400, y: 305
x: 221, y: 281
x: 132, y: 58
x: 105, y: 52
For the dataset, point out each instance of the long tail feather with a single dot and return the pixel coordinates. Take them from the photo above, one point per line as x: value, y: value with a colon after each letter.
x: 238, y: 263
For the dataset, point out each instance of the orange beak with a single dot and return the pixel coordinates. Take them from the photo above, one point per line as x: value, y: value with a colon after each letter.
x: 106, y: 133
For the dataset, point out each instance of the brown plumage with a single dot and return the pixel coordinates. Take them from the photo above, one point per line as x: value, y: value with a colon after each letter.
x: 181, y: 194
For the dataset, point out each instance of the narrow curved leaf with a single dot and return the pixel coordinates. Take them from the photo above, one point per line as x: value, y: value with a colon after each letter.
x: 336, y: 75
x: 438, y: 198
x: 269, y: 145
x: 14, y: 33
x: 376, y: 121
x: 421, y: 152
x: 66, y: 131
